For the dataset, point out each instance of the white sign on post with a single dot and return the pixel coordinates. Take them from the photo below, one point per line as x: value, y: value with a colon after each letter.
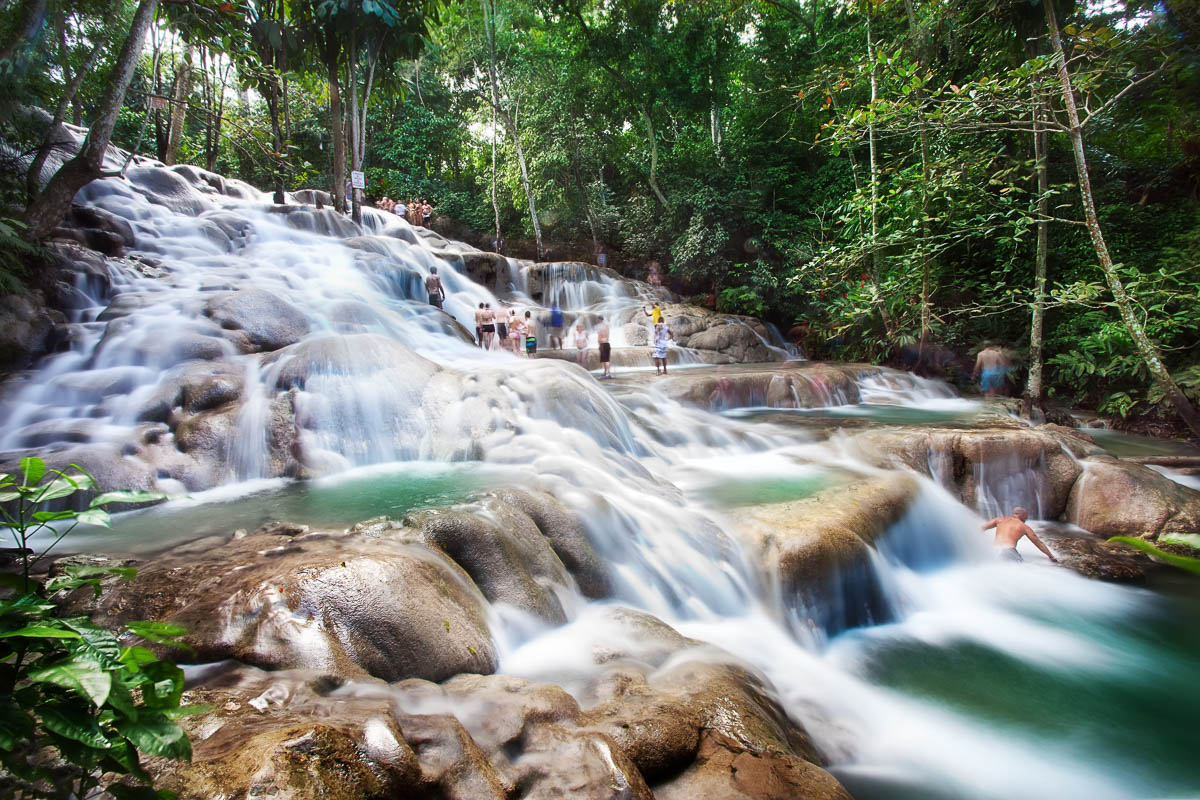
x: 358, y: 180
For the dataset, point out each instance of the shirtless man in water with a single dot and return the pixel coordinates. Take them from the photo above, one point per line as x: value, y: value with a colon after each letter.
x: 1009, y: 531
x: 433, y: 285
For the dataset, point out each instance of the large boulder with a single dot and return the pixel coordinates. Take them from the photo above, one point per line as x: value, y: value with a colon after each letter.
x: 1117, y: 498
x: 267, y: 319
x: 990, y: 470
x: 819, y: 546
x: 736, y: 339
x: 346, y: 604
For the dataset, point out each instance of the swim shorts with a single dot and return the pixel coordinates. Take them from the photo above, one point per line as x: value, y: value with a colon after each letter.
x: 992, y: 379
x: 1010, y: 554
x: 531, y: 344
x: 605, y: 352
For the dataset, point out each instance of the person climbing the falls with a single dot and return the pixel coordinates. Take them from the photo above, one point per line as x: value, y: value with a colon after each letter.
x: 433, y: 285
x: 479, y: 325
x: 605, y: 348
x: 991, y: 370
x: 581, y: 343
x: 530, y: 334
x: 556, y: 327
x: 655, y: 313
x: 661, y: 334
x: 1009, y: 531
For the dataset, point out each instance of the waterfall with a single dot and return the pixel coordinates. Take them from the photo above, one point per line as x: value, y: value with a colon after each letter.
x: 239, y: 345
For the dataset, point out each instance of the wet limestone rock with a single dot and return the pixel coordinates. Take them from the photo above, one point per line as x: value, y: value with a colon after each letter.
x: 268, y: 320
x: 811, y: 538
x: 788, y: 385
x: 1118, y: 498
x: 290, y: 736
x: 735, y: 339
x: 819, y: 547
x: 342, y: 603
x: 983, y: 463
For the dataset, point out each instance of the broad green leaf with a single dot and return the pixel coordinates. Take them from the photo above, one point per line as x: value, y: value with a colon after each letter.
x: 135, y: 657
x: 8, y: 497
x: 157, y: 735
x: 166, y: 685
x: 74, y: 723
x: 41, y: 632
x: 33, y: 468
x: 59, y: 487
x: 127, y: 497
x: 101, y: 642
x: 94, y: 516
x: 50, y: 516
x: 81, y: 675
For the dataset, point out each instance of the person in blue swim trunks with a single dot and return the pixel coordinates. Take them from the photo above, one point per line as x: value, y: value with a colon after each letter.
x: 991, y: 370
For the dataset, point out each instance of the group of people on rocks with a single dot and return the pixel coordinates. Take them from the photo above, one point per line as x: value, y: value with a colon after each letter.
x: 417, y: 212
x: 506, y: 328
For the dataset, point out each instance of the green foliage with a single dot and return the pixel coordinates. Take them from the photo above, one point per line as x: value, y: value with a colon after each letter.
x: 740, y: 300
x: 15, y: 252
x: 75, y: 703
x: 1186, y: 563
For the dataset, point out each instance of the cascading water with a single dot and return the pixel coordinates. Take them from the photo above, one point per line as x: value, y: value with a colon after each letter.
x: 189, y: 375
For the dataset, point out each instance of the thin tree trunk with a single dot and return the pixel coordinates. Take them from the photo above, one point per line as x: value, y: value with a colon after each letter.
x: 179, y: 105
x: 52, y: 203
x: 923, y: 136
x: 537, y: 226
x: 1145, y: 347
x: 652, y: 138
x: 337, y: 129
x: 1033, y: 390
x: 33, y: 177
x: 874, y: 183
x: 352, y: 87
x: 491, y: 34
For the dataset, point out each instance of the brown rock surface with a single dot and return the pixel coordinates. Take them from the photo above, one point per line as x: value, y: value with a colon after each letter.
x: 1117, y: 498
x: 962, y: 460
x: 342, y: 603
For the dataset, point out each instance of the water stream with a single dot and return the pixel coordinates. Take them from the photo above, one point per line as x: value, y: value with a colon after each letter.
x: 981, y: 680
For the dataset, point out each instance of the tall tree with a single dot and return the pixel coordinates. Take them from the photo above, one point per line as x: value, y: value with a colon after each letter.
x: 1146, y: 348
x: 53, y: 202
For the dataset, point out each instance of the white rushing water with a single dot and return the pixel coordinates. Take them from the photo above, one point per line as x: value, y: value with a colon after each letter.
x: 377, y: 376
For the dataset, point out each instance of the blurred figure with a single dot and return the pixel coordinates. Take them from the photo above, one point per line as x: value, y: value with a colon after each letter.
x: 556, y: 327
x: 479, y: 325
x: 991, y: 369
x: 516, y: 332
x: 530, y: 334
x: 581, y: 343
x: 488, y: 320
x: 1009, y: 531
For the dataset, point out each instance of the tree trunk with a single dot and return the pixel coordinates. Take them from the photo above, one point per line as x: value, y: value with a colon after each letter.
x: 48, y: 209
x: 352, y: 87
x: 1037, y: 356
x: 33, y: 177
x: 537, y: 226
x: 490, y: 22
x: 179, y: 105
x: 874, y: 183
x: 272, y: 96
x: 1145, y: 347
x: 923, y: 136
x: 337, y: 129
x: 652, y: 138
